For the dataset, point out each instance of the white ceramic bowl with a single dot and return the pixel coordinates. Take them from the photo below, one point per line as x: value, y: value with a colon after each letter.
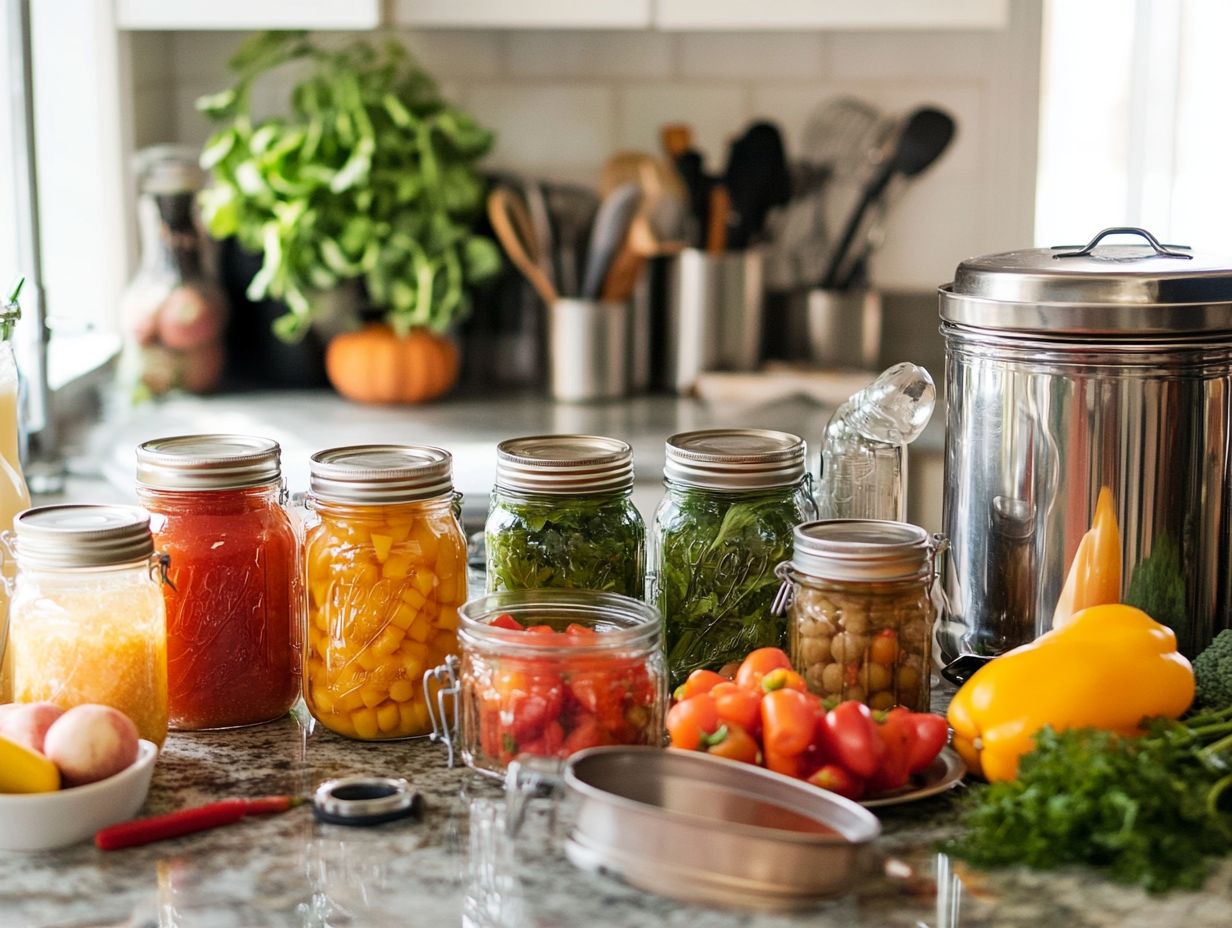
x: 41, y: 821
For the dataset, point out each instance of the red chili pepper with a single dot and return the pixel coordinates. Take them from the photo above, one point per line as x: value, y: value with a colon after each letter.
x: 700, y: 681
x: 839, y: 780
x: 788, y: 722
x: 738, y: 706
x: 759, y: 663
x: 186, y: 821
x: 898, y: 735
x: 691, y: 722
x: 931, y: 734
x: 780, y: 678
x: 736, y: 744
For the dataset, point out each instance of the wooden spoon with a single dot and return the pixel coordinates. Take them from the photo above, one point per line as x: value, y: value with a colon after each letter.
x: 516, y: 233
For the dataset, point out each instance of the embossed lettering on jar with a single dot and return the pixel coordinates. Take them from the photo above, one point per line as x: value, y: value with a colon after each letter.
x: 233, y: 604
x: 385, y: 563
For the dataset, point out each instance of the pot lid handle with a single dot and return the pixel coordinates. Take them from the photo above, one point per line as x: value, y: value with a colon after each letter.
x: 1167, y: 251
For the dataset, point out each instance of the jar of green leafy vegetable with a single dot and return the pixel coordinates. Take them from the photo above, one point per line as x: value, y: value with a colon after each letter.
x: 562, y: 517
x: 733, y: 497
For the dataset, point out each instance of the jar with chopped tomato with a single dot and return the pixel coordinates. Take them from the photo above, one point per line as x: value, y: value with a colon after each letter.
x: 551, y: 672
x: 385, y: 570
x: 233, y: 600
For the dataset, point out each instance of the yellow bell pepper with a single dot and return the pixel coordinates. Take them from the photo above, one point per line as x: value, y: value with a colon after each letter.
x: 1095, y: 574
x: 1110, y: 667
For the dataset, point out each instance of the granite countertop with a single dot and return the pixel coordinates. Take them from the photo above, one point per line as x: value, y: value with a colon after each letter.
x: 458, y: 862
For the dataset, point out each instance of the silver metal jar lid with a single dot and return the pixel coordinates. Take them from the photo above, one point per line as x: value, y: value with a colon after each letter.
x: 380, y: 473
x: 564, y: 464
x: 862, y: 550
x: 82, y: 536
x: 735, y: 459
x: 207, y: 462
x: 1125, y: 289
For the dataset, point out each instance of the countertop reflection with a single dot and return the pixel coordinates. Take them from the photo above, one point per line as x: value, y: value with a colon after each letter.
x: 459, y: 866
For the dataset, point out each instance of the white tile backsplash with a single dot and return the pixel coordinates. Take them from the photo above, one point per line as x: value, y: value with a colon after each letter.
x: 562, y: 101
x: 758, y: 56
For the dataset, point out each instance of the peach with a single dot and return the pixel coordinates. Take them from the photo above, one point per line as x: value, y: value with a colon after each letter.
x: 90, y: 743
x: 27, y: 723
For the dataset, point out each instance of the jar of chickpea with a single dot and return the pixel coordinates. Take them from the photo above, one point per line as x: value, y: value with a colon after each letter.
x: 860, y: 610
x: 385, y: 572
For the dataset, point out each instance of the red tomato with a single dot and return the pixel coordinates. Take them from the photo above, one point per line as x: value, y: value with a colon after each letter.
x: 781, y: 678
x: 548, y: 744
x: 738, y: 706
x: 788, y: 722
x: 931, y: 734
x: 528, y: 700
x: 736, y: 744
x: 586, y: 733
x: 580, y: 631
x: 898, y: 736
x: 700, y: 681
x: 505, y: 620
x: 692, y: 721
x: 839, y: 780
x: 759, y: 663
x: 852, y: 739
x: 541, y: 629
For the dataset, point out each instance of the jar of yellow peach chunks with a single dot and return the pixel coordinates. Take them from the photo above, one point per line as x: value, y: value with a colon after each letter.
x: 385, y: 563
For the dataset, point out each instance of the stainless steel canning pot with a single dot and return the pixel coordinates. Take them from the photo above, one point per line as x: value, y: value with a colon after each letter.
x: 1072, y: 369
x: 703, y: 829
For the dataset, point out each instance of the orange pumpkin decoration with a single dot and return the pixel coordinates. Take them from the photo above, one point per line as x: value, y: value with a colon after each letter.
x: 374, y: 365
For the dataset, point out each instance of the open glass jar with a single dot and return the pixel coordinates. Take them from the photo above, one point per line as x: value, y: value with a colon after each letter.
x: 562, y: 516
x: 385, y: 567
x: 550, y: 672
x: 88, y: 624
x: 733, y: 497
x: 233, y: 603
x: 860, y: 610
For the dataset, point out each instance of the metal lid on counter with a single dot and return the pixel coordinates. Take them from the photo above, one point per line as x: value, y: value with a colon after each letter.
x: 380, y: 473
x: 207, y: 462
x: 73, y: 536
x: 1142, y: 288
x: 861, y: 550
x: 564, y: 464
x: 735, y: 459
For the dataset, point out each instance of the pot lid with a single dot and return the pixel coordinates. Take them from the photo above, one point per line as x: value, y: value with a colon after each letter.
x: 1130, y: 288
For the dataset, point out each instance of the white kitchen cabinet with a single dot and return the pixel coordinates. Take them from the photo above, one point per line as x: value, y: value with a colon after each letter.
x: 831, y: 14
x: 247, y: 14
x: 524, y: 14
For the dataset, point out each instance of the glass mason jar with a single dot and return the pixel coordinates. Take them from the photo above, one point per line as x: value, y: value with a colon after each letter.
x: 585, y: 669
x: 234, y: 601
x: 733, y: 497
x: 562, y: 517
x: 859, y: 604
x: 88, y: 624
x: 385, y: 568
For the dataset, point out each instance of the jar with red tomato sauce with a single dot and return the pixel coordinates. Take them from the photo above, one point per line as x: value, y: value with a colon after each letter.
x: 233, y: 597
x: 551, y: 672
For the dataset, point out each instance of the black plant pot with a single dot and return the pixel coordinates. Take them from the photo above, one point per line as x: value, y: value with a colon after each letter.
x: 256, y: 357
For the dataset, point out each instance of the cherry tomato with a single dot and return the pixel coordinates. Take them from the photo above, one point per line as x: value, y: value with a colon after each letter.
x: 898, y: 735
x: 700, y: 681
x: 780, y: 678
x: 852, y: 739
x: 759, y: 663
x: 738, y: 706
x: 788, y: 722
x: 736, y: 744
x: 931, y: 734
x: 838, y: 779
x: 690, y: 722
x: 884, y: 647
x: 505, y: 620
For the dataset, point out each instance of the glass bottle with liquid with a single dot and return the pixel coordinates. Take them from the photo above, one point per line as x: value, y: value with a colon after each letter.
x: 14, y: 495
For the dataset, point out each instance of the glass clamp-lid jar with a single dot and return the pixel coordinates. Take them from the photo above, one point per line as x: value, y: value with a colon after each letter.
x: 562, y: 517
x: 88, y: 624
x: 546, y: 673
x: 233, y: 603
x: 385, y: 567
x: 733, y: 497
x: 858, y: 596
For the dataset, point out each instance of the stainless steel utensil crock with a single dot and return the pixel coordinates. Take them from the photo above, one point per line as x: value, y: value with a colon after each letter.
x: 1067, y: 370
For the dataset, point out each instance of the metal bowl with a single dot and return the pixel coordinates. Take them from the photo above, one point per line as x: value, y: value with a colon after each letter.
x: 714, y: 831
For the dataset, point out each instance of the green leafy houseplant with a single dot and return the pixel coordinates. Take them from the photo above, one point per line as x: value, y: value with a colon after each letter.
x: 371, y: 175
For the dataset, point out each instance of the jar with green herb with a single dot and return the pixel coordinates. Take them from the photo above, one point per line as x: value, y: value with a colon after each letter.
x: 562, y: 517
x: 733, y: 498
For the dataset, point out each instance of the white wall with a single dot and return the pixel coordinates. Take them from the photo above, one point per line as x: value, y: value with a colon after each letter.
x: 562, y: 101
